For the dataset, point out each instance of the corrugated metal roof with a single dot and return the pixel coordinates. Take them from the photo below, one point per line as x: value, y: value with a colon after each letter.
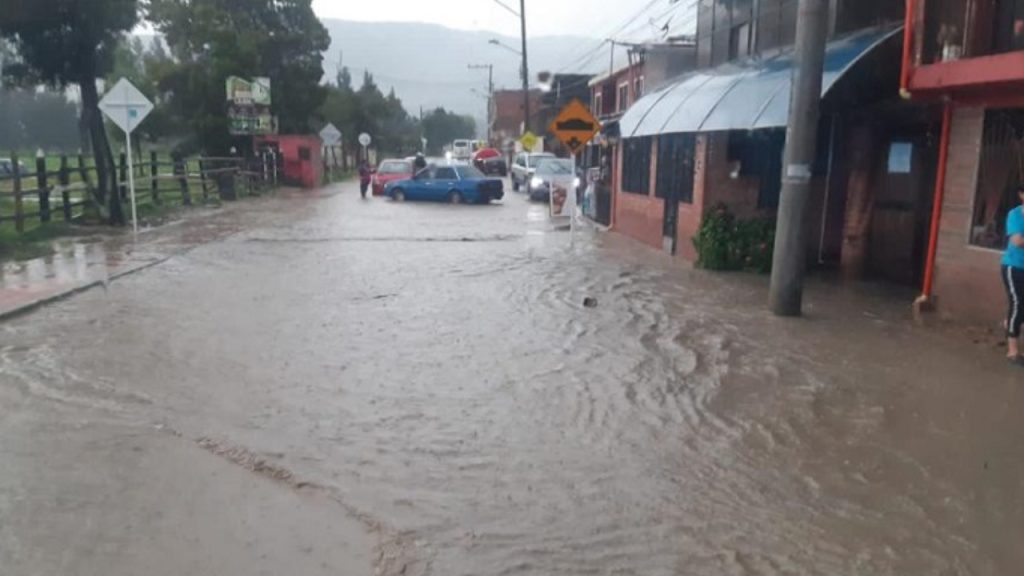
x: 746, y: 95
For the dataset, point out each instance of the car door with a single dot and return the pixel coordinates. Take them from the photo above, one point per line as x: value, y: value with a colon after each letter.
x: 422, y: 185
x: 445, y: 180
x: 519, y: 168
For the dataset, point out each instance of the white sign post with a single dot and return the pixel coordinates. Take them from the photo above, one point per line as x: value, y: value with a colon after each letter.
x: 364, y: 140
x: 126, y: 107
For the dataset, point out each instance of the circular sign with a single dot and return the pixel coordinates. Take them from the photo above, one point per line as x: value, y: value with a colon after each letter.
x: 364, y: 139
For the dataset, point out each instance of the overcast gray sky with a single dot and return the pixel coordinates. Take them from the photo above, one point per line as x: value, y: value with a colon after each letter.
x: 544, y: 17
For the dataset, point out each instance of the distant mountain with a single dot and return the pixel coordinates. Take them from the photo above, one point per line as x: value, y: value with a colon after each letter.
x: 427, y: 63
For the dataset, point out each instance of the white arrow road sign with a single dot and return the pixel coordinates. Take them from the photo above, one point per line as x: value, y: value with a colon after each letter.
x: 127, y: 107
x: 330, y: 135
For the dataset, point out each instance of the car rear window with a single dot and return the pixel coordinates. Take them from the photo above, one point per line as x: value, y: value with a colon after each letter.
x: 395, y: 167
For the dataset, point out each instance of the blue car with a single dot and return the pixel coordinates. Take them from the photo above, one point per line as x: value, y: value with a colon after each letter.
x: 454, y: 184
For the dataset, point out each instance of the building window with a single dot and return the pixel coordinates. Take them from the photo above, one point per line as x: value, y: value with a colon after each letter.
x: 999, y: 174
x: 758, y: 154
x: 638, y: 88
x: 739, y: 41
x: 623, y: 97
x: 675, y: 167
x: 900, y: 157
x: 636, y: 166
x: 598, y: 104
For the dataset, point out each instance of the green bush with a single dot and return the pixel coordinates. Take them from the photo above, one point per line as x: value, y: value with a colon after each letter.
x: 725, y: 243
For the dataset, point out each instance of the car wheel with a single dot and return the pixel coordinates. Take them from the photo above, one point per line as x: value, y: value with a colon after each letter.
x: 398, y: 195
x: 455, y: 197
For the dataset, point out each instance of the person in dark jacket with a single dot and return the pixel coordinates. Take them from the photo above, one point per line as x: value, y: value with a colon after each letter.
x: 419, y: 163
x: 365, y: 173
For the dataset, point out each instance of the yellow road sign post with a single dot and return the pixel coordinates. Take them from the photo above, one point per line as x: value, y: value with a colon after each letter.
x: 575, y: 126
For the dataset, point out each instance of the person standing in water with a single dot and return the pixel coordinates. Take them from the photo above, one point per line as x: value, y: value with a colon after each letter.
x: 365, y: 174
x: 1013, y: 278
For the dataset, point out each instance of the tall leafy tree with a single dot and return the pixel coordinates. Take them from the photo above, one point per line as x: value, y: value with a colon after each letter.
x: 213, y: 39
x: 441, y: 127
x: 63, y: 42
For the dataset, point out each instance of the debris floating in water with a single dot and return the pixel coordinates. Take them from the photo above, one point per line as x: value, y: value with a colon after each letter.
x: 590, y: 302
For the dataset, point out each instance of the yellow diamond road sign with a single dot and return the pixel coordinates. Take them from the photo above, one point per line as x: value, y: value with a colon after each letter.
x: 575, y: 126
x: 529, y: 141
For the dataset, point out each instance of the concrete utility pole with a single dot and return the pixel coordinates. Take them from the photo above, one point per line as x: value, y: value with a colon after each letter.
x: 490, y: 95
x: 790, y: 257
x: 526, y: 69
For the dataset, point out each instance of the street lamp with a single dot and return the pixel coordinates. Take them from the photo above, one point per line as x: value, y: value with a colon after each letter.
x: 500, y: 44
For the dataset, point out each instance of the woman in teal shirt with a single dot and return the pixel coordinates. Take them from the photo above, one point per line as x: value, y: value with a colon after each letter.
x: 1013, y: 278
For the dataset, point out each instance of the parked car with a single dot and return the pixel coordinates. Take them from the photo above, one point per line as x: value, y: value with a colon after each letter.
x: 390, y: 171
x: 7, y: 168
x: 490, y: 162
x: 524, y: 167
x: 551, y: 173
x: 454, y: 184
x: 462, y: 149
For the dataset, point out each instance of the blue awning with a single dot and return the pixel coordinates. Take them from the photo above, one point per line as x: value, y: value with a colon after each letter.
x: 746, y: 95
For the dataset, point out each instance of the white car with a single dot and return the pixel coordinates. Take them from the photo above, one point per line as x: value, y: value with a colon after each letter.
x: 525, y: 167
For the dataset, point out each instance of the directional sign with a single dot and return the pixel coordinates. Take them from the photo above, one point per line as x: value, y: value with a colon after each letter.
x: 575, y: 126
x: 529, y: 141
x: 125, y: 105
x: 364, y: 139
x: 330, y: 135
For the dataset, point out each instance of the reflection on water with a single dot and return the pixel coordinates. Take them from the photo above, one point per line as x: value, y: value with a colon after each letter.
x: 460, y: 395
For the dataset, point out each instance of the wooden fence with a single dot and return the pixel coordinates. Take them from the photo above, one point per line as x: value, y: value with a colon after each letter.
x: 60, y: 187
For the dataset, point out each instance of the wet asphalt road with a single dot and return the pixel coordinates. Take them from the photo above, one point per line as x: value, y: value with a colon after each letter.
x: 433, y: 368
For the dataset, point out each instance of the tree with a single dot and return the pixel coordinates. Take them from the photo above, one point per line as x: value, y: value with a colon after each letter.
x: 441, y: 127
x: 214, y: 39
x: 62, y: 42
x: 368, y: 110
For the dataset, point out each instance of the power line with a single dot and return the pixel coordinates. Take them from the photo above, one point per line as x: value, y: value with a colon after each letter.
x: 646, y: 8
x: 507, y: 7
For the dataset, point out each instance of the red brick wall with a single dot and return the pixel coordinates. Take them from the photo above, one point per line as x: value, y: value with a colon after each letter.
x: 638, y: 216
x: 967, y: 280
x: 739, y: 194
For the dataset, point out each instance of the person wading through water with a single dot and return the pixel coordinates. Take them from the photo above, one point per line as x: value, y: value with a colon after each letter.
x: 1013, y: 278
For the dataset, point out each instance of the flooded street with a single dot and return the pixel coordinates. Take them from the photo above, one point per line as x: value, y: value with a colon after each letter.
x: 431, y: 370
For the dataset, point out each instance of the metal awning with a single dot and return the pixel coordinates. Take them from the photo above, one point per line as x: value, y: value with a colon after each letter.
x: 747, y: 95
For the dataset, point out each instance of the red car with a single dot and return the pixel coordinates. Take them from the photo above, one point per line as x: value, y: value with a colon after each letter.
x: 490, y: 162
x: 389, y: 171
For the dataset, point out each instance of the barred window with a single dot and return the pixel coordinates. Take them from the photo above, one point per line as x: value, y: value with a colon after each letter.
x: 675, y: 167
x: 636, y: 166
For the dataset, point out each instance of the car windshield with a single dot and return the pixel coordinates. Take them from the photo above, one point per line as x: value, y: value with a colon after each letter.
x: 534, y: 159
x: 395, y: 167
x: 555, y: 167
x: 467, y: 172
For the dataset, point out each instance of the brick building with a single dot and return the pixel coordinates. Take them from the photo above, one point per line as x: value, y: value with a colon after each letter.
x: 509, y: 115
x: 969, y: 55
x: 715, y: 136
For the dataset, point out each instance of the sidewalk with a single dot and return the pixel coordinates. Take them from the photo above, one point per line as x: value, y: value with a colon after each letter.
x: 80, y: 264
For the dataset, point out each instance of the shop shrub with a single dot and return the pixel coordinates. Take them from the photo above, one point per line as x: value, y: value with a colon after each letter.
x: 725, y: 243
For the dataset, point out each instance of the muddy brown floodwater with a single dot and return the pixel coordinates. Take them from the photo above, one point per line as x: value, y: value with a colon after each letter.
x: 434, y: 369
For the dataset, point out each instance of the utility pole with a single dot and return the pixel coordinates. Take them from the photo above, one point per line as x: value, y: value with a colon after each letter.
x: 790, y: 258
x: 526, y: 69
x: 490, y: 95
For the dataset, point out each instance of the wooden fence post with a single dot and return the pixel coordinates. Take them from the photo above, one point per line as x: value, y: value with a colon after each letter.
x: 154, y: 184
x: 123, y: 166
x: 202, y: 180
x: 19, y: 212
x: 181, y: 169
x: 64, y: 177
x: 42, y: 189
